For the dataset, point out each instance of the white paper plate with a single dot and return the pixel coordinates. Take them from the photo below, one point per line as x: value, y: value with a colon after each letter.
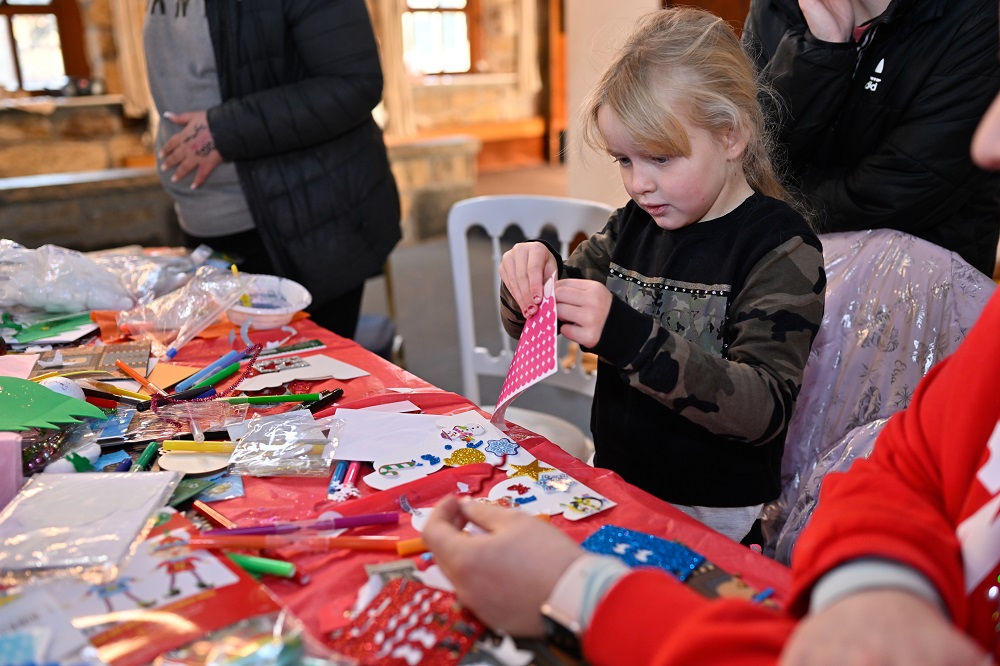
x: 193, y: 463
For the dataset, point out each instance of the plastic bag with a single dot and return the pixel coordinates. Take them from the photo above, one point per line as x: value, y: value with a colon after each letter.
x: 171, y: 321
x: 286, y: 447
x: 148, y: 276
x: 55, y: 279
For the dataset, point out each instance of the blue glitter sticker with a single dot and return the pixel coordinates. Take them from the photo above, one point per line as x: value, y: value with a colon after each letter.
x: 502, y: 447
x: 640, y: 549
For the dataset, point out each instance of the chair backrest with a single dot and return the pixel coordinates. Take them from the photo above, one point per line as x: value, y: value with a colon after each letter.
x: 532, y: 215
x: 895, y: 306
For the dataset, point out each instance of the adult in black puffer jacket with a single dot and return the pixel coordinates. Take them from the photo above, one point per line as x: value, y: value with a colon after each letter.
x: 298, y: 82
x: 879, y: 119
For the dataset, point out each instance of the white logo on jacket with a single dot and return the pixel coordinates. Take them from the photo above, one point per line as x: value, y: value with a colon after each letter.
x: 873, y: 80
x: 979, y: 534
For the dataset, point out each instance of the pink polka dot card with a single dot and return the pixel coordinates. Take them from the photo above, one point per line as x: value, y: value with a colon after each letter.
x: 536, y: 356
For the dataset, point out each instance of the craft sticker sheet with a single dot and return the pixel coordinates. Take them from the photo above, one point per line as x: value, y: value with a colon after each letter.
x: 641, y: 549
x: 536, y: 356
x: 163, y: 572
x: 638, y: 549
x: 409, y: 623
x: 540, y: 489
x: 449, y: 441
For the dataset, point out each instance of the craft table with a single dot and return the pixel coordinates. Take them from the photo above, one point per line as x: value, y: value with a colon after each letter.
x: 335, y: 577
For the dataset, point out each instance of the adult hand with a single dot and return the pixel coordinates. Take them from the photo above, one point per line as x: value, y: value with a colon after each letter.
x: 886, y: 627
x: 829, y: 20
x: 191, y: 149
x: 504, y: 576
x: 583, y: 307
x: 524, y: 269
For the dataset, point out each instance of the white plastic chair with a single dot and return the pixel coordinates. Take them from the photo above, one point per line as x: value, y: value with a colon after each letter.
x: 532, y: 215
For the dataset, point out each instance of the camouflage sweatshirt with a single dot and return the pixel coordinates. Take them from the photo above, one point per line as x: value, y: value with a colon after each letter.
x: 702, y: 354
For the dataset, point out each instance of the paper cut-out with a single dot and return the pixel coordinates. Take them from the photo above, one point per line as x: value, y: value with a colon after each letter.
x: 317, y: 367
x: 536, y: 356
x: 25, y: 404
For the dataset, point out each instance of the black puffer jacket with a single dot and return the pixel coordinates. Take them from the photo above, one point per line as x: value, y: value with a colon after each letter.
x: 880, y: 137
x: 299, y: 79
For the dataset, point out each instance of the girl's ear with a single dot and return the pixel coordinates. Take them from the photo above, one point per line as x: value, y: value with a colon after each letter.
x: 734, y: 142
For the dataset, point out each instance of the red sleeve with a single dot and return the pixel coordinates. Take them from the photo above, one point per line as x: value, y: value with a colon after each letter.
x: 648, y: 617
x: 906, y: 500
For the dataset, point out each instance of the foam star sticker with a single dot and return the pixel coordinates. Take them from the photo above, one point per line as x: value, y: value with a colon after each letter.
x: 532, y: 469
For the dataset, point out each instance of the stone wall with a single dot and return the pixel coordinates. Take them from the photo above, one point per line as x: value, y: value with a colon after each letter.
x: 68, y: 134
x: 98, y: 209
x: 88, y: 211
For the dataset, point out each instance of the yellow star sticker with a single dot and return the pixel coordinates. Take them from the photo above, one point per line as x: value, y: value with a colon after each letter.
x: 532, y: 469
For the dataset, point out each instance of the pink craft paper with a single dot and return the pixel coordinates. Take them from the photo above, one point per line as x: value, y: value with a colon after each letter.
x: 11, y: 478
x: 536, y: 357
x: 17, y: 365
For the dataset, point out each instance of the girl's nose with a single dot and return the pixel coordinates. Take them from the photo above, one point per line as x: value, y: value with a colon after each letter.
x: 641, y: 181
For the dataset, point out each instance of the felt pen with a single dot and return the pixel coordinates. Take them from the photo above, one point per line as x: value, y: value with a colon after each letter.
x: 263, y: 565
x: 113, y: 397
x: 199, y: 447
x: 146, y: 384
x: 340, y: 522
x: 117, y: 390
x: 415, y: 546
x: 204, y: 509
x: 146, y: 457
x: 325, y: 400
x: 211, y: 380
x: 124, y: 465
x: 179, y: 395
x: 210, y: 369
x: 194, y: 392
x: 337, y: 478
x: 313, y: 542
x: 228, y: 447
x: 266, y: 399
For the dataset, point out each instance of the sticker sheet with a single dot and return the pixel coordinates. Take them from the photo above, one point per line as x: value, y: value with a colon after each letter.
x: 409, y: 623
x: 540, y: 489
x: 536, y: 356
x: 447, y: 441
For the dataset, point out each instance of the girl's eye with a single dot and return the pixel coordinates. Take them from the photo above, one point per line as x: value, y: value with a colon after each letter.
x: 660, y: 160
x: 624, y: 161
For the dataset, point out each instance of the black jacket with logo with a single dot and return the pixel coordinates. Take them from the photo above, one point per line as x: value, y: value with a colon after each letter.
x: 877, y: 133
x: 299, y: 80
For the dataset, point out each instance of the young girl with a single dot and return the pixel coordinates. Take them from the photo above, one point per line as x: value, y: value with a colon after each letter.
x: 703, y: 295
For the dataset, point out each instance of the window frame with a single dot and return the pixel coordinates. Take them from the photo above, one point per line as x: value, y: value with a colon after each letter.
x: 67, y: 15
x: 471, y: 11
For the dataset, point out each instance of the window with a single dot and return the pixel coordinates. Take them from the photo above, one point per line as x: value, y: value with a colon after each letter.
x: 41, y: 44
x: 439, y: 36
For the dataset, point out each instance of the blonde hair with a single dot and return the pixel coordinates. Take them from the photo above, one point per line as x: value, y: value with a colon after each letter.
x: 683, y: 61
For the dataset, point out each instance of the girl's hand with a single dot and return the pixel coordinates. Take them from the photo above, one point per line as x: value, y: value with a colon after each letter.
x: 506, y: 575
x: 582, y: 306
x: 191, y: 149
x: 524, y: 269
x: 829, y: 20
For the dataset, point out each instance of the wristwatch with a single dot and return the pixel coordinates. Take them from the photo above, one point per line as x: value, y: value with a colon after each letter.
x: 562, y: 629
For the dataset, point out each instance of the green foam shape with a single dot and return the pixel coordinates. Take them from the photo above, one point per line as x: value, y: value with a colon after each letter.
x: 26, y: 404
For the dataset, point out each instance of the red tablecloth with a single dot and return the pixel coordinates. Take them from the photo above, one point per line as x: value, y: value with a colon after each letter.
x: 336, y: 577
